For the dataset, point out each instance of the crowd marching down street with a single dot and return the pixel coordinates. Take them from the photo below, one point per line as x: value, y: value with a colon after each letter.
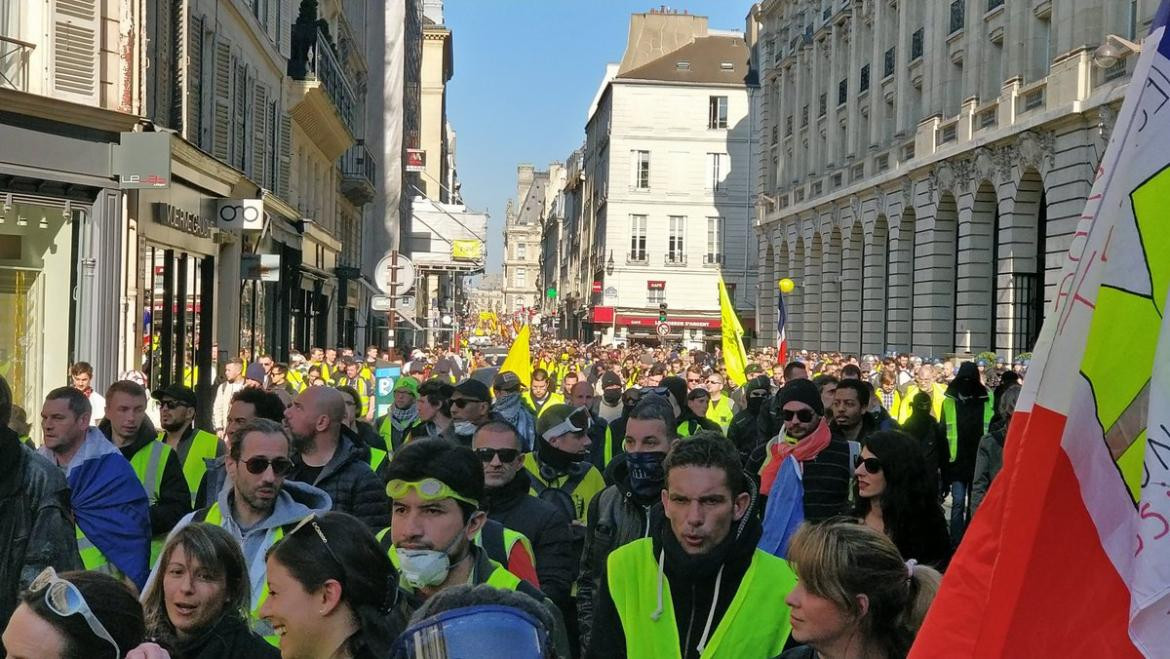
x: 597, y: 501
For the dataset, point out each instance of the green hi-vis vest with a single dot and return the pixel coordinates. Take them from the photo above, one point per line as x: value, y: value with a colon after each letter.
x: 500, y: 577
x: 688, y: 428
x: 203, y: 447
x: 214, y: 515
x: 721, y: 412
x: 499, y: 541
x: 377, y: 457
x: 953, y: 425
x: 755, y: 624
x: 610, y: 449
x: 149, y: 463
x: 92, y: 558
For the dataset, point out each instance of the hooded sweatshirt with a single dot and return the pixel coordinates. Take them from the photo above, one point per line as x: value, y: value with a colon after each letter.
x: 970, y: 398
x: 744, y: 430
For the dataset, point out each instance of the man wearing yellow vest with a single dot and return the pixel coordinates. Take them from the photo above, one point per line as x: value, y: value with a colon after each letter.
x: 259, y: 506
x: 538, y: 396
x: 559, y: 467
x: 156, y: 465
x: 108, y: 505
x: 194, y: 447
x: 924, y: 381
x: 435, y: 489
x: 697, y: 587
x: 967, y: 411
x: 721, y: 409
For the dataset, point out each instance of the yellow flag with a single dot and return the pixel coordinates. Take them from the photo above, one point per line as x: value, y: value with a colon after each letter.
x: 734, y: 356
x: 519, y: 359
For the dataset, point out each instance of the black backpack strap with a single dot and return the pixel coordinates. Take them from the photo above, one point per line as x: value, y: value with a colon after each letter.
x: 492, y: 537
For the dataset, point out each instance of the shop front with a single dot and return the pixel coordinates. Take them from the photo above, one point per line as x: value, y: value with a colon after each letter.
x: 314, y: 313
x: 269, y: 282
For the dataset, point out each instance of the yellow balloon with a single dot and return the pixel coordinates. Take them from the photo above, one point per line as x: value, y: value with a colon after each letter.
x: 786, y: 285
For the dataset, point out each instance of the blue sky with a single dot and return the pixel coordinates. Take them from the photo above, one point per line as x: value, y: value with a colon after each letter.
x: 525, y: 73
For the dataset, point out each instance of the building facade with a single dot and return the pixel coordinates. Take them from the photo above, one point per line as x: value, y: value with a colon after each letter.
x: 522, y: 240
x: 924, y: 164
x: 667, y: 184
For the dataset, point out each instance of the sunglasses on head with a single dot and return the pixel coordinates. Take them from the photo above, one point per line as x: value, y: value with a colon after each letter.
x: 311, y: 520
x: 486, y: 455
x: 65, y: 599
x: 280, y: 466
x: 804, y: 416
x: 872, y: 465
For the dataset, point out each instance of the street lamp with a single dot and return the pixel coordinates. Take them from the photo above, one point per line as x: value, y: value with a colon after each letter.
x: 1114, y: 50
x: 609, y: 264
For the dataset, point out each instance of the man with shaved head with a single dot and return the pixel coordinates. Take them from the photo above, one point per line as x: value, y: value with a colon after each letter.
x: 327, y: 459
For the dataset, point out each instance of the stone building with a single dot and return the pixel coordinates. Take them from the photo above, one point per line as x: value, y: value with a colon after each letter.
x: 522, y: 234
x: 924, y: 163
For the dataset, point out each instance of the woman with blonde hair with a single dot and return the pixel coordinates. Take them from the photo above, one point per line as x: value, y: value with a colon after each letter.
x: 198, y: 604
x: 854, y: 595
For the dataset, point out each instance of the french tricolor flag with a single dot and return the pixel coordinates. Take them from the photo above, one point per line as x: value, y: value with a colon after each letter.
x: 781, y: 339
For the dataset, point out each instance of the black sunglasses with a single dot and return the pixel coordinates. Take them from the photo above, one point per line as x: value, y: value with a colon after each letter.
x: 280, y: 466
x: 460, y: 402
x: 872, y: 465
x: 486, y: 455
x: 172, y: 404
x: 804, y: 416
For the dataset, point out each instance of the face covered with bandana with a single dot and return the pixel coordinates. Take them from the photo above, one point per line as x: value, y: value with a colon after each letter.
x: 646, y: 444
x: 431, y: 532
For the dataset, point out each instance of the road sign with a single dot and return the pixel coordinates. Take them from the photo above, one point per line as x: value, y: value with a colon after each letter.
x: 405, y: 275
x: 663, y: 329
x: 381, y: 303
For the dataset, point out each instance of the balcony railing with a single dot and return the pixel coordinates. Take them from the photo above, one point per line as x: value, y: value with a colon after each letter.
x: 675, y: 258
x: 359, y: 171
x: 637, y: 256
x: 14, y: 56
x: 313, y: 59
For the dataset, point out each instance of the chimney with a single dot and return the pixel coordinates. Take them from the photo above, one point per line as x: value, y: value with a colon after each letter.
x: 659, y: 33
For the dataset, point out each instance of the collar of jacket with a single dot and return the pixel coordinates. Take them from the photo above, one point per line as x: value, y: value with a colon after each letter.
x: 146, y: 434
x: 509, y: 495
x: 346, y: 452
x: 217, y: 634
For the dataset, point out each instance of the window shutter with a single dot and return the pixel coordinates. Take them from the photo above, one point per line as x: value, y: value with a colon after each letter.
x: 74, y: 60
x: 270, y: 150
x: 193, y: 127
x: 259, y: 132
x: 284, y: 43
x: 221, y: 135
x: 272, y: 25
x: 240, y: 103
x: 285, y: 156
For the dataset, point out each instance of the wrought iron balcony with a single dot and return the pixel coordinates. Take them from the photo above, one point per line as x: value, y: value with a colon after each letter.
x: 14, y: 56
x: 313, y: 59
x: 358, y: 173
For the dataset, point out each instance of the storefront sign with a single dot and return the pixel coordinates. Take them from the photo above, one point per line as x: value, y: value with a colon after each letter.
x: 596, y: 287
x: 416, y: 160
x: 603, y: 315
x: 675, y: 322
x: 260, y: 267
x: 143, y: 160
x: 184, y: 221
x: 238, y: 214
x: 466, y: 250
x: 655, y: 285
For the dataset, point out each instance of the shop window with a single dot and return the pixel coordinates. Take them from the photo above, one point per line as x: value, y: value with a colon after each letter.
x: 176, y: 317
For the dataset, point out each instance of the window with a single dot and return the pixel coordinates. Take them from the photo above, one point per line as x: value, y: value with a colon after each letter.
x: 842, y: 91
x: 522, y: 251
x: 717, y: 112
x: 888, y: 65
x: 863, y: 83
x: 917, y: 42
x: 642, y: 170
x: 823, y: 106
x: 716, y: 171
x: 958, y: 9
x: 637, y: 238
x: 675, y: 250
x: 520, y: 279
x: 714, y: 240
x: 655, y: 296
x: 788, y: 126
x: 992, y: 4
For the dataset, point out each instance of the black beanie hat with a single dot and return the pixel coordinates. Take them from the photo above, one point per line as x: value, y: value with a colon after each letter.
x: 802, y: 391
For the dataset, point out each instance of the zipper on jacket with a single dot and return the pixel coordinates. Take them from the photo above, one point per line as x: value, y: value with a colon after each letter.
x: 691, y: 622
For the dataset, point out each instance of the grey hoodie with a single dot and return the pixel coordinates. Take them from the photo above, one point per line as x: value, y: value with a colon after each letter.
x: 295, y: 501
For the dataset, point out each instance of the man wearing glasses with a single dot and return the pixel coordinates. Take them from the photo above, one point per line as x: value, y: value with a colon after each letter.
x: 176, y: 415
x: 823, y: 456
x: 258, y: 507
x: 471, y: 407
x: 720, y: 410
x: 508, y: 500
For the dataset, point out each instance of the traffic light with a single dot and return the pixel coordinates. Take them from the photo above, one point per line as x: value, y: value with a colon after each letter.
x: 662, y: 312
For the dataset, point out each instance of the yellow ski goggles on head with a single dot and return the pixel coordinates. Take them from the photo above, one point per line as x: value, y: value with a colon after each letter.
x: 429, y: 489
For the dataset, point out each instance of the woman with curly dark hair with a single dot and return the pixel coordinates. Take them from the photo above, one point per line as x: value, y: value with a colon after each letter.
x: 895, y: 494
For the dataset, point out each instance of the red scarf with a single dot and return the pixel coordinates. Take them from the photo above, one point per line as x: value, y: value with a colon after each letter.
x: 804, y: 450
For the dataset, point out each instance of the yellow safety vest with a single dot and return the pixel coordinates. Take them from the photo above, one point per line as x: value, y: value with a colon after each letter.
x: 92, y: 558
x: 204, y: 445
x: 386, y: 430
x: 501, y: 545
x: 582, y: 489
x: 500, y: 577
x: 553, y: 399
x: 149, y: 463
x: 755, y: 624
x: 721, y: 412
x: 214, y: 517
x: 953, y: 426
x: 377, y: 457
x: 936, y: 402
x: 363, y: 388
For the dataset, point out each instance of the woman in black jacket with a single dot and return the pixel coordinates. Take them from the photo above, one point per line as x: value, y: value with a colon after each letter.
x: 198, y: 606
x: 894, y: 495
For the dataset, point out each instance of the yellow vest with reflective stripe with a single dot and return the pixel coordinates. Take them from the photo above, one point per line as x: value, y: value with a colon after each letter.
x: 510, y: 539
x: 720, y: 412
x: 203, y: 445
x: 951, y: 417
x: 149, y: 463
x: 215, y: 518
x: 755, y: 624
x: 92, y: 558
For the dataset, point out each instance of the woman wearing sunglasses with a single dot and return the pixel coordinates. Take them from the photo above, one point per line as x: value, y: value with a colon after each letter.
x: 854, y: 595
x: 332, y: 591
x: 199, y: 604
x: 75, y: 615
x: 895, y: 495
